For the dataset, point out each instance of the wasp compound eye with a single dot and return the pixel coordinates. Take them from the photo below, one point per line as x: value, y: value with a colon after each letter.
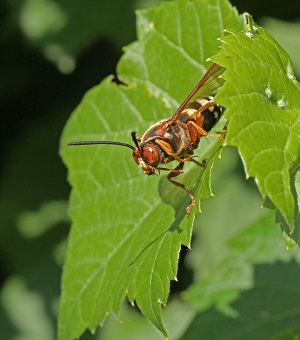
x: 151, y: 154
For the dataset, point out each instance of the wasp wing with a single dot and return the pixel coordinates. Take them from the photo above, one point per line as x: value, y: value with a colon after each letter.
x: 207, y: 86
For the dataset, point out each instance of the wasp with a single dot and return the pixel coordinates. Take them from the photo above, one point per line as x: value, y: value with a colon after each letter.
x: 176, y: 138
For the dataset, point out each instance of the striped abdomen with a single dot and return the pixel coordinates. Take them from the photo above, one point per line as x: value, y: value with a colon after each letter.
x: 211, y: 114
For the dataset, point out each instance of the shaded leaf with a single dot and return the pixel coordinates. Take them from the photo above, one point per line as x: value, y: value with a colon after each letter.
x: 65, y: 29
x: 271, y: 307
x: 178, y: 316
x: 232, y: 236
x: 257, y: 244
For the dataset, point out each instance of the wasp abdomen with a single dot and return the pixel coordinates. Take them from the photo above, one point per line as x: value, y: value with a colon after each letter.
x: 211, y: 115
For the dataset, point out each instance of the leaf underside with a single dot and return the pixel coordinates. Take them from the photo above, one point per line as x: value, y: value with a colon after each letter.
x: 128, y: 229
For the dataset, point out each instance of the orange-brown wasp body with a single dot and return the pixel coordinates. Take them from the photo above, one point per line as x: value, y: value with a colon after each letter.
x: 177, y: 138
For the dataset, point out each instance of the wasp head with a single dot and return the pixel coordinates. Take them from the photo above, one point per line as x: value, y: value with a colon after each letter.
x: 146, y: 157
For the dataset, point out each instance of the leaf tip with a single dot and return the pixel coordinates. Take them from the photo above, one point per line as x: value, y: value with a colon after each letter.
x: 289, y: 242
x: 221, y: 40
x: 250, y: 24
x: 290, y: 73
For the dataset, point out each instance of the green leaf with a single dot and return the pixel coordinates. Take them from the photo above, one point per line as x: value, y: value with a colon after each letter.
x: 230, y: 242
x: 65, y: 29
x: 292, y: 238
x: 178, y: 316
x: 271, y: 307
x: 262, y: 98
x: 287, y: 35
x: 288, y: 334
x: 32, y: 224
x: 128, y: 229
x: 234, y: 272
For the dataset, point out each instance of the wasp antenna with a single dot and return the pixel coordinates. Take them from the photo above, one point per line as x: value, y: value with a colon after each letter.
x: 133, y: 135
x: 101, y: 142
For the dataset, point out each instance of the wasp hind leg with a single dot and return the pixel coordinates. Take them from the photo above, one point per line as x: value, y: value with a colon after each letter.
x: 201, y: 164
x: 174, y: 173
x: 195, y: 127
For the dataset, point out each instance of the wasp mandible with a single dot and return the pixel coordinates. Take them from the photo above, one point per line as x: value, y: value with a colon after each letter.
x: 176, y: 138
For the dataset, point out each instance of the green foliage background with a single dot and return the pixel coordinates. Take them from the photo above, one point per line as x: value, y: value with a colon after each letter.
x: 36, y: 100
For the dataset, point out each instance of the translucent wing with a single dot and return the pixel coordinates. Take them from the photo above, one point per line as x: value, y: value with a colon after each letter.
x: 207, y: 86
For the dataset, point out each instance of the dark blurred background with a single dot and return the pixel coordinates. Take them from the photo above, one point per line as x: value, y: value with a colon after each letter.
x: 52, y: 52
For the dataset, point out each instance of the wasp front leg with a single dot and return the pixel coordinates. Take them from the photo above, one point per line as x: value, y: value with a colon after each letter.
x: 174, y: 173
x: 167, y: 148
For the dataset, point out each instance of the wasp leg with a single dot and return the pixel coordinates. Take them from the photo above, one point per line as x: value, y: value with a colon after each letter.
x: 178, y: 172
x: 174, y: 173
x: 202, y: 164
x: 194, y: 129
x: 168, y: 149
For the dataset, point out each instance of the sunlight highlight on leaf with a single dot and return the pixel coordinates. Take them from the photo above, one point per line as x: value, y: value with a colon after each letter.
x: 128, y: 228
x: 262, y: 98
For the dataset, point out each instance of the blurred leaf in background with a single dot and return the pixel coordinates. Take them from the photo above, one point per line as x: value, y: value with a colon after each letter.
x: 288, y: 36
x: 36, y: 99
x: 65, y: 29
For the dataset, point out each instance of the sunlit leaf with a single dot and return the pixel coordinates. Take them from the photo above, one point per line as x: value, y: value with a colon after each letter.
x: 128, y: 229
x: 262, y: 98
